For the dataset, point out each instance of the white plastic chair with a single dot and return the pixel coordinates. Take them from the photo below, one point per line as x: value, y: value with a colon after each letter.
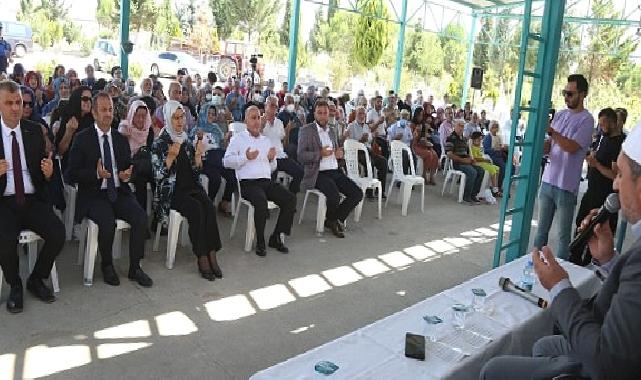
x: 352, y: 147
x: 408, y: 181
x: 321, y: 210
x: 453, y: 176
x: 88, y: 246
x: 176, y: 221
x: 250, y: 232
x: 70, y: 194
x: 31, y: 239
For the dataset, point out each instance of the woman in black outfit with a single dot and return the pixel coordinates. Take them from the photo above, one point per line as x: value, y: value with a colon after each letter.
x: 177, y: 167
x: 75, y: 117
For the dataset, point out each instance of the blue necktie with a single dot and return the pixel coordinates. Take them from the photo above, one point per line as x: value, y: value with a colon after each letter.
x: 111, y: 185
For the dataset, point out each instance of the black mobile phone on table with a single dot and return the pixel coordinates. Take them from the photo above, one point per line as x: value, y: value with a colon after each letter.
x: 415, y: 346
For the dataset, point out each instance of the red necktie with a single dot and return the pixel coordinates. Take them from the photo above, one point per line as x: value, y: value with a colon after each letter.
x: 17, y: 170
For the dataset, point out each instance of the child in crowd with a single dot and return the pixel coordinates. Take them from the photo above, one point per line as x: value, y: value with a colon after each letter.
x: 477, y: 154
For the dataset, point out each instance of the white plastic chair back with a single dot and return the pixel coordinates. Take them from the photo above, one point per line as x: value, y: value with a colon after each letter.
x: 352, y: 147
x: 397, y: 158
x: 237, y: 127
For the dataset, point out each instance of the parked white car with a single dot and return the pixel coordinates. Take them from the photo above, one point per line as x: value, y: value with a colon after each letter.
x: 167, y: 63
x: 105, y: 54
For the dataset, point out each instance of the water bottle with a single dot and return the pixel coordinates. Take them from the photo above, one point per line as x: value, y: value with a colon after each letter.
x: 527, y: 281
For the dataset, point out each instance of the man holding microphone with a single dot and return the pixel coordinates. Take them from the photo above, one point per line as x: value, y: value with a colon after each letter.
x: 601, y: 336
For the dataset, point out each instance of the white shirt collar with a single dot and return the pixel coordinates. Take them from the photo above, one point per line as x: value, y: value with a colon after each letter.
x: 6, y: 131
x: 101, y: 133
x: 636, y: 229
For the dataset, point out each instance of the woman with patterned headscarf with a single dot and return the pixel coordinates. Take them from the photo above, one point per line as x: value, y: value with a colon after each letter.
x: 61, y: 89
x: 176, y: 164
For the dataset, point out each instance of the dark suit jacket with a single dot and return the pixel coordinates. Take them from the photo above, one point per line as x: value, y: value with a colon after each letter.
x: 83, y: 160
x: 34, y: 149
x: 309, y: 153
x: 605, y: 333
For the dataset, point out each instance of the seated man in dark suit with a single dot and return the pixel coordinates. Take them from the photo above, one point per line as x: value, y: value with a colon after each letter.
x: 25, y: 167
x: 600, y: 336
x: 319, y: 153
x: 100, y: 163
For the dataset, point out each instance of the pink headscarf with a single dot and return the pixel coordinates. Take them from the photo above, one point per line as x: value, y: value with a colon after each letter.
x: 137, y: 137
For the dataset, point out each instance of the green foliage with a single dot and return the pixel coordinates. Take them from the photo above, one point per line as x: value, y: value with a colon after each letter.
x: 224, y: 17
x: 167, y: 24
x: 606, y: 38
x: 423, y: 53
x: 86, y: 45
x: 135, y: 71
x: 71, y: 32
x: 107, y: 14
x: 372, y: 34
x: 335, y: 35
x: 284, y: 30
x: 454, y: 56
x: 46, y: 67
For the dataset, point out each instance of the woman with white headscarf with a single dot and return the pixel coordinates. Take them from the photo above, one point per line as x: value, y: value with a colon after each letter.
x: 177, y: 164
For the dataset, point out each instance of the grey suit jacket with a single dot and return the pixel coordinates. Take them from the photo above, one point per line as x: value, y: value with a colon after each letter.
x: 309, y: 153
x: 605, y: 332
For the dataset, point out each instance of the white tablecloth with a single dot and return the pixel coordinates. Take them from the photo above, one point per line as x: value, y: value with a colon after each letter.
x: 376, y: 351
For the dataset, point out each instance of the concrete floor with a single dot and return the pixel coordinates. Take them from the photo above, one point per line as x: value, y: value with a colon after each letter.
x: 264, y: 311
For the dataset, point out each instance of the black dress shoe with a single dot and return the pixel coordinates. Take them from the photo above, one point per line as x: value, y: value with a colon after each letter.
x: 140, y: 277
x: 260, y: 250
x: 15, y: 301
x: 336, y: 229
x: 215, y: 269
x: 109, y: 275
x: 275, y: 242
x: 38, y: 288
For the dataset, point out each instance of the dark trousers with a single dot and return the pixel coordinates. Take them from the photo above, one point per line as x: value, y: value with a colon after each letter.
x: 473, y: 179
x: 406, y: 162
x: 332, y: 183
x: 378, y: 162
x: 498, y: 159
x: 201, y: 216
x: 141, y: 190
x: 38, y: 217
x: 292, y: 151
x: 104, y: 213
x: 382, y: 142
x: 293, y: 169
x: 215, y: 174
x: 258, y: 192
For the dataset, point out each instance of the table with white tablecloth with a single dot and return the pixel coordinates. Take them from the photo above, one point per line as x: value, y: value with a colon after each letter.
x: 507, y: 324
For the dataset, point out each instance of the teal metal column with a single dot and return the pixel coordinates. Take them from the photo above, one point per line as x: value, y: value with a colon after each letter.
x: 470, y: 58
x: 124, y: 37
x: 293, y: 44
x: 536, y: 130
x: 400, y: 48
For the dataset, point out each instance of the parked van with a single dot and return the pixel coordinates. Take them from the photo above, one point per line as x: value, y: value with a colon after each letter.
x: 19, y: 36
x: 105, y: 54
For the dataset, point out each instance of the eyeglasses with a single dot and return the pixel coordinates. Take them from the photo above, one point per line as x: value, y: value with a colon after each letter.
x: 568, y: 94
x: 27, y: 104
x: 85, y: 98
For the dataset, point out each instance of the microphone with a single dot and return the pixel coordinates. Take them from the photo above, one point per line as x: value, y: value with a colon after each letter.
x: 508, y: 286
x: 611, y: 206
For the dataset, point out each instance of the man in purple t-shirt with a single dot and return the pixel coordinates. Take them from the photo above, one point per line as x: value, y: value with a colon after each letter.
x: 570, y: 136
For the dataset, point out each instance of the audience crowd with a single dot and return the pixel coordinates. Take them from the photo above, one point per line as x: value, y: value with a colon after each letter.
x: 114, y: 144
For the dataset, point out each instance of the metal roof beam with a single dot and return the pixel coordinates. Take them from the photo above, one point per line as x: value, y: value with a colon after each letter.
x: 569, y: 19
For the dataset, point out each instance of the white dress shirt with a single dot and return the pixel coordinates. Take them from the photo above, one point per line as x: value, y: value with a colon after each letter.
x: 372, y: 117
x: 328, y: 162
x: 356, y: 131
x: 275, y: 132
x: 236, y: 156
x: 7, y: 141
x: 114, y: 166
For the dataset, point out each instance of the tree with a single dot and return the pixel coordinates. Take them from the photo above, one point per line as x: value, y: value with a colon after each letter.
x: 284, y: 30
x: 107, y: 14
x: 483, y: 44
x: 333, y: 35
x: 372, y: 34
x: 608, y: 39
x: 332, y: 9
x: 454, y: 56
x: 167, y: 24
x: 142, y: 14
x: 423, y: 53
x: 224, y: 17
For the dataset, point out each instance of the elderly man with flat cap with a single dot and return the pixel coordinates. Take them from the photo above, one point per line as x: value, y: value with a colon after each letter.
x: 600, y: 336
